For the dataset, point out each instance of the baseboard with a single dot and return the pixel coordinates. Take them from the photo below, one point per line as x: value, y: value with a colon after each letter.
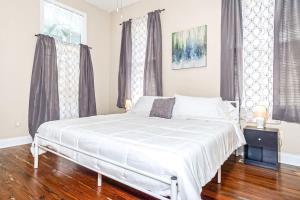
x: 16, y: 141
x: 290, y: 159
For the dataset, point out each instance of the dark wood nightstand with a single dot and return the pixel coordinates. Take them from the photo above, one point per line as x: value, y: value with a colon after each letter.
x: 262, y: 147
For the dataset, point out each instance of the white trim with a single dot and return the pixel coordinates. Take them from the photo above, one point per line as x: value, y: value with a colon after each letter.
x: 16, y: 141
x: 290, y: 159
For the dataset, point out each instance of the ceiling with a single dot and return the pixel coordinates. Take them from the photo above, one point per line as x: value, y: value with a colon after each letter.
x: 110, y: 5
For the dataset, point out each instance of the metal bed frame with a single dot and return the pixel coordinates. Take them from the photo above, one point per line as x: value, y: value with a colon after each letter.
x: 171, y: 181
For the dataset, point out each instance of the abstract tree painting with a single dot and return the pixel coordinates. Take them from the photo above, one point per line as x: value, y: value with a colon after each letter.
x: 189, y: 48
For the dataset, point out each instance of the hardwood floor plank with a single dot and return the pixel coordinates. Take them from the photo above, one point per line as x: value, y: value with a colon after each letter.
x: 68, y: 185
x: 58, y: 179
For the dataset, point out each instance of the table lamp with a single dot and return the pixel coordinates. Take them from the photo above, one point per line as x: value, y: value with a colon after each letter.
x: 128, y: 105
x: 260, y: 116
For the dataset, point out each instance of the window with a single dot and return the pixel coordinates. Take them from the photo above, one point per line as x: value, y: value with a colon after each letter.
x: 68, y: 27
x: 139, y: 44
x: 258, y: 36
x: 62, y: 22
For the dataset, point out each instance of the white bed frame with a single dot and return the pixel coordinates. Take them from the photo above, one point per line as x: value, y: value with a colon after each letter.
x: 171, y: 181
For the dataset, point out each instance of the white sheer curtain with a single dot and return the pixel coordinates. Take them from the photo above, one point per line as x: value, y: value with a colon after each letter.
x: 68, y: 56
x: 258, y: 39
x: 139, y: 45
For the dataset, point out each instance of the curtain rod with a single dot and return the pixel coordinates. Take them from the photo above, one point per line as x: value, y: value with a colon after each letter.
x: 161, y: 10
x: 36, y: 35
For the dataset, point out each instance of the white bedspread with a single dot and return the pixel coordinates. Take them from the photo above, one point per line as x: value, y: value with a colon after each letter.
x: 192, y: 150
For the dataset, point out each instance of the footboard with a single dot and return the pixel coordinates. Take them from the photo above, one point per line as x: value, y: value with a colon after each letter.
x: 171, y: 181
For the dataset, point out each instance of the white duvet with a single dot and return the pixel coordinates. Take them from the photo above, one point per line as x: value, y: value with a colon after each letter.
x: 192, y: 150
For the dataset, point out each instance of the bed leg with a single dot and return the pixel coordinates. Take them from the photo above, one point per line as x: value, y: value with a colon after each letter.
x: 36, y: 153
x: 219, y: 175
x: 236, y: 153
x: 174, y: 189
x: 99, y: 180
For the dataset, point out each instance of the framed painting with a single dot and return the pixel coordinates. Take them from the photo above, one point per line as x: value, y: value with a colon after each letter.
x: 189, y: 48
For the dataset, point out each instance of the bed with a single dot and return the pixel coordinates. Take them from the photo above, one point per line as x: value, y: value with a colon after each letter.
x: 165, y: 158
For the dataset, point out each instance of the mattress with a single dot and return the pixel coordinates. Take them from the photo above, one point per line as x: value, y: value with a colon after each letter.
x: 192, y: 150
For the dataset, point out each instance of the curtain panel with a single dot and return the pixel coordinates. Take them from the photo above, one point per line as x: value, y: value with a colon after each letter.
x: 153, y: 61
x: 87, y: 99
x: 68, y: 79
x: 286, y: 68
x: 124, y: 78
x: 43, y: 98
x: 139, y: 45
x: 231, y: 50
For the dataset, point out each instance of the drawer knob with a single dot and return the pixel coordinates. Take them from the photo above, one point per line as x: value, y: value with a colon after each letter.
x: 259, y: 139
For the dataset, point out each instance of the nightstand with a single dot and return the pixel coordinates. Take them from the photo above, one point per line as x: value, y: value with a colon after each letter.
x: 262, y: 147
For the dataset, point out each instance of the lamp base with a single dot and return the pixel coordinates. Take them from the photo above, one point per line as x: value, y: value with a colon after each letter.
x: 260, y: 122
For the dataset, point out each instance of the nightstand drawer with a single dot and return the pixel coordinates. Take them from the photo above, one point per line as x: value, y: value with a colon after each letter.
x: 261, y: 139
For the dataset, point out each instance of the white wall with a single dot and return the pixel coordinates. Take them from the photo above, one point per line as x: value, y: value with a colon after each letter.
x: 19, y: 21
x: 181, y: 15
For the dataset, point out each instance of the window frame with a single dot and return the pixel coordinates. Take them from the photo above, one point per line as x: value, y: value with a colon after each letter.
x: 66, y: 7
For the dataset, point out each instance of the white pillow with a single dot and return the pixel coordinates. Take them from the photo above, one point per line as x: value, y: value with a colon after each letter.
x: 198, y: 107
x: 144, y: 105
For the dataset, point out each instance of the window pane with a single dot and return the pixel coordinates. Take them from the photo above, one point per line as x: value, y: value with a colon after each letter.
x: 258, y: 34
x: 63, y: 24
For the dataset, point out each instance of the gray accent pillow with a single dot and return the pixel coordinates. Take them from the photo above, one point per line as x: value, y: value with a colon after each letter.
x: 162, y: 108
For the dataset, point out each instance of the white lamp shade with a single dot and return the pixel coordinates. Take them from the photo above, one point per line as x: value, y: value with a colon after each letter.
x: 260, y: 111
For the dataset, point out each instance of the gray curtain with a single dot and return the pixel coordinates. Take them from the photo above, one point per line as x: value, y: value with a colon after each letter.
x: 231, y: 50
x: 153, y: 61
x: 87, y: 99
x: 43, y: 99
x: 124, y: 81
x: 286, y: 68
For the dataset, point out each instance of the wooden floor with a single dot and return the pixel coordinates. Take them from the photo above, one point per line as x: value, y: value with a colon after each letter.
x: 58, y: 178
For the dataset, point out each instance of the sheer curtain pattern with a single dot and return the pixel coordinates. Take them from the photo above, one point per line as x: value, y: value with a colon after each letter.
x: 139, y: 43
x: 68, y: 79
x: 258, y: 39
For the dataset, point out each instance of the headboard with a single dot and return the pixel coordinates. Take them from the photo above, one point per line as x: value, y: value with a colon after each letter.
x: 236, y: 104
